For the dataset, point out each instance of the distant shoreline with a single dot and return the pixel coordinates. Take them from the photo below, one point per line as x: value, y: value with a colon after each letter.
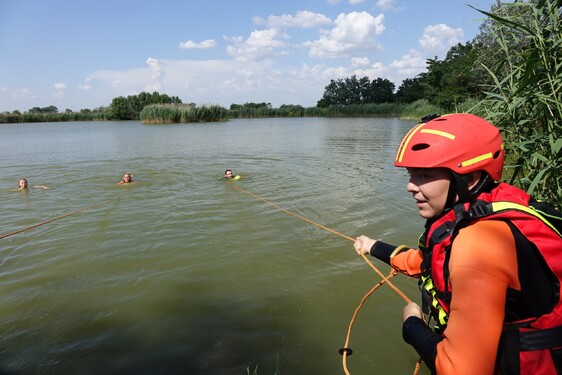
x: 413, y: 110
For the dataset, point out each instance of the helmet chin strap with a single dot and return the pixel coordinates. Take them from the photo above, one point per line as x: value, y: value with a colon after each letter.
x: 459, y: 188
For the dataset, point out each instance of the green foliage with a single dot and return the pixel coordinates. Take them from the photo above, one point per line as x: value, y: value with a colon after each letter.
x: 351, y: 90
x: 181, y: 113
x: 525, y: 98
x: 49, y: 109
x: 409, y: 91
x: 99, y: 114
x: 452, y: 80
x: 130, y: 108
x: 251, y: 110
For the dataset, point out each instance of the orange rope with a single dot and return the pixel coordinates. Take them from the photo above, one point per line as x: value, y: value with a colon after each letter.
x: 385, y: 279
x: 345, y: 348
x: 56, y: 218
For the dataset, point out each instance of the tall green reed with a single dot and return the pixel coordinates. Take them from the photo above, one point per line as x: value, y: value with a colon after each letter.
x: 182, y: 113
x: 525, y: 99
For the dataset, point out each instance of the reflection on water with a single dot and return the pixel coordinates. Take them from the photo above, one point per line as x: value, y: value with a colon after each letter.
x: 181, y: 273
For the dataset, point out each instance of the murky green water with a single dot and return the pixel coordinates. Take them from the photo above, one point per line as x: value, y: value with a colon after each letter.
x: 182, y: 274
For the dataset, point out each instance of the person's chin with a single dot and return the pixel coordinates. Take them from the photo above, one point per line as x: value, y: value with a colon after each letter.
x: 425, y: 213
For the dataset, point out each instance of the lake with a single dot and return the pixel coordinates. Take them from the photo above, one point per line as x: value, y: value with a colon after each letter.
x: 182, y: 273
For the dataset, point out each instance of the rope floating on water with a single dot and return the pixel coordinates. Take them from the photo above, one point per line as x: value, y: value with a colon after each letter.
x: 345, y: 351
x: 57, y: 218
x: 385, y: 279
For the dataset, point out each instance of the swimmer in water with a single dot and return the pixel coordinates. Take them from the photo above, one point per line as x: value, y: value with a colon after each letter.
x: 23, y: 184
x: 127, y: 179
x: 229, y: 175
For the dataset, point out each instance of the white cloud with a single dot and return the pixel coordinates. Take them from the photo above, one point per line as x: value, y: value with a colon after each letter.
x: 302, y: 19
x: 156, y: 83
x: 359, y: 61
x: 262, y: 44
x: 410, y: 64
x: 356, y: 2
x: 23, y: 94
x: 60, y: 87
x: 385, y: 4
x: 377, y: 70
x: 85, y: 87
x: 222, y: 81
x: 209, y: 43
x: 352, y: 33
x: 439, y: 37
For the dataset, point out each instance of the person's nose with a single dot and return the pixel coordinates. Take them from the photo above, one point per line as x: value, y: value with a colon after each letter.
x: 411, y: 187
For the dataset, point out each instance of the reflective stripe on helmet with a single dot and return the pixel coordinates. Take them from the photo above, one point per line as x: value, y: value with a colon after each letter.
x: 405, y: 141
x: 466, y: 163
x: 439, y: 132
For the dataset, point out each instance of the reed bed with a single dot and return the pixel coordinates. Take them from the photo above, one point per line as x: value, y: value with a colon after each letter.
x: 16, y: 118
x: 182, y: 113
x: 525, y: 101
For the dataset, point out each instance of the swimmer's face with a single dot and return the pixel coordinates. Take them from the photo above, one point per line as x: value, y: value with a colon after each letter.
x: 228, y: 174
x: 127, y: 177
x: 22, y: 183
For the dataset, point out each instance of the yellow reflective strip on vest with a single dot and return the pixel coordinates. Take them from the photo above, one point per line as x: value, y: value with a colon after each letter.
x: 476, y: 159
x: 502, y: 206
x: 442, y: 316
x: 439, y: 132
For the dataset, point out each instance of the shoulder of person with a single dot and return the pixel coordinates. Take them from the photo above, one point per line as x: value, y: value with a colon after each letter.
x: 486, y: 241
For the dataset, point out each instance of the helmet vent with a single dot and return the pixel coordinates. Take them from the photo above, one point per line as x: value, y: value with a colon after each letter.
x: 420, y: 146
x: 497, y: 154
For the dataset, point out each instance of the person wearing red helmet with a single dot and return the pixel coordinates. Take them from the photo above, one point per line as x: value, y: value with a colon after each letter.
x: 489, y: 262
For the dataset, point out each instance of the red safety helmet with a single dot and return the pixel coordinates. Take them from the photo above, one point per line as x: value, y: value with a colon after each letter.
x: 460, y: 142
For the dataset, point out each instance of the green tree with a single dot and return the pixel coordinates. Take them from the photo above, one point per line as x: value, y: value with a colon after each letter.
x: 330, y: 96
x: 379, y: 91
x: 454, y: 79
x: 349, y: 91
x: 121, y: 109
x: 49, y: 109
x: 409, y: 91
x: 129, y: 108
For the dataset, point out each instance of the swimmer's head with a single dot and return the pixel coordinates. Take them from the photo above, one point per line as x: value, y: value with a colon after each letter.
x: 127, y: 177
x: 22, y: 184
x: 228, y: 174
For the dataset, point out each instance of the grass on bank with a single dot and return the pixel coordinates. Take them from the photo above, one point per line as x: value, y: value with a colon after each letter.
x: 182, y: 113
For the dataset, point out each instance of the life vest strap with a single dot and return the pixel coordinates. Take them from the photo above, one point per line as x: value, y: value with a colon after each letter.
x: 540, y: 339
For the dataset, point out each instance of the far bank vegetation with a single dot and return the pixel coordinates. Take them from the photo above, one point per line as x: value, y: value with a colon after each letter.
x: 182, y: 113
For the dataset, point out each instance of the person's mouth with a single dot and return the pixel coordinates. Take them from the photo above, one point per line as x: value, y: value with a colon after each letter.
x: 420, y: 203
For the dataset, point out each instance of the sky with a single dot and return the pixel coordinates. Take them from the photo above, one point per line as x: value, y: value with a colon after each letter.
x: 82, y: 54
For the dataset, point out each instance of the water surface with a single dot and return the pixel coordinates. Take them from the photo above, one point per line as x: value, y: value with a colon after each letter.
x: 180, y: 273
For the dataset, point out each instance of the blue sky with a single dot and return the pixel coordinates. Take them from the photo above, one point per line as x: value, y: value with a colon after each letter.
x: 82, y: 54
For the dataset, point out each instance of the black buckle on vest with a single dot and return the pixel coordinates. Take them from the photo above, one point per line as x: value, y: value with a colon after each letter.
x: 442, y: 232
x: 480, y: 209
